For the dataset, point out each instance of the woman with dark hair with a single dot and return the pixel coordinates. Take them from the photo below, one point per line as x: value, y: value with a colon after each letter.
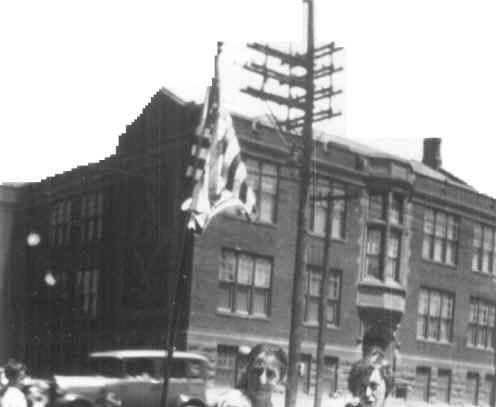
x: 371, y: 380
x: 266, y: 368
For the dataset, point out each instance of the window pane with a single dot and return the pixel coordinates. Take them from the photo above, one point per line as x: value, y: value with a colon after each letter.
x: 225, y: 296
x: 428, y: 221
x: 426, y: 247
x: 313, y: 310
x: 315, y: 281
x: 320, y: 218
x: 269, y: 178
x: 373, y: 266
x: 331, y: 313
x: 226, y: 272
x: 374, y: 238
x: 262, y: 273
x: 260, y: 302
x: 477, y: 235
x: 396, y: 213
x: 267, y: 207
x: 441, y: 219
x: 438, y: 249
x: 452, y: 228
x: 333, y: 286
x: 435, y: 304
x: 423, y: 302
x: 245, y: 270
x: 421, y: 326
x: 376, y: 206
x: 242, y: 299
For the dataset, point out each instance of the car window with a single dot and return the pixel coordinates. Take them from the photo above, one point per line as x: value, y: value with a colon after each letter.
x: 104, y: 366
x: 185, y: 368
x: 142, y: 367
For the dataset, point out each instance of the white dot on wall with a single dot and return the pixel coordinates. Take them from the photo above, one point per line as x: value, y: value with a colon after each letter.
x: 50, y: 279
x: 33, y: 239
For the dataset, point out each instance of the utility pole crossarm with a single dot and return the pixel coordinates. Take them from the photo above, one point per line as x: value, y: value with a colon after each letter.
x: 294, y: 103
x: 283, y: 79
x: 290, y: 59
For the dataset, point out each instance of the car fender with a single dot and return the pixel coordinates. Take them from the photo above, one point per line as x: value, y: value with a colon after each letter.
x: 184, y: 400
x: 72, y: 399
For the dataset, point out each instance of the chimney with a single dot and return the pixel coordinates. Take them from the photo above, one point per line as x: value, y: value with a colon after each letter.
x: 432, y: 153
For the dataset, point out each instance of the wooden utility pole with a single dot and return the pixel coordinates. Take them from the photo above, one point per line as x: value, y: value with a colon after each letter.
x: 298, y: 303
x: 304, y: 123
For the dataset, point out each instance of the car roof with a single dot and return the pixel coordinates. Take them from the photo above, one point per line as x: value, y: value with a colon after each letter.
x: 145, y: 353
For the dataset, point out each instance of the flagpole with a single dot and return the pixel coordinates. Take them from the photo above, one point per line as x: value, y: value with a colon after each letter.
x: 179, y: 274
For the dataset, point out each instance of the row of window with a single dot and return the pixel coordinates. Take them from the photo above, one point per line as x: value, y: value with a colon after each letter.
x: 245, y: 287
x: 477, y: 392
x: 435, y: 316
x: 78, y: 291
x: 89, y: 218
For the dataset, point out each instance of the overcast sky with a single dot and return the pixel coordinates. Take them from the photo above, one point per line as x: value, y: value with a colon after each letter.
x: 73, y: 74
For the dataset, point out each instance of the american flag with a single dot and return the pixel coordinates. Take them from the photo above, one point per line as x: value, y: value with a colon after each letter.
x: 218, y: 173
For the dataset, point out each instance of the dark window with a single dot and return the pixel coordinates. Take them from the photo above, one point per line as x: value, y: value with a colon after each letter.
x: 319, y: 208
x: 106, y: 366
x: 435, y: 315
x: 91, y: 216
x: 263, y: 179
x: 139, y: 367
x: 384, y: 236
x: 312, y: 295
x: 483, y: 258
x: 60, y: 223
x: 225, y: 371
x: 86, y: 290
x: 444, y: 386
x: 245, y: 283
x: 472, y: 388
x: 481, y: 322
x: 330, y: 375
x: 374, y: 253
x: 440, y: 236
x: 377, y: 206
x: 421, y: 386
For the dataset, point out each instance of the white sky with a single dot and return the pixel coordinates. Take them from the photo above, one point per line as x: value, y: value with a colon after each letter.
x: 73, y: 74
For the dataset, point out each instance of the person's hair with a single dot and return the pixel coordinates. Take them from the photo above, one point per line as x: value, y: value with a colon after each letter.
x: 363, y: 368
x: 13, y: 370
x: 269, y: 350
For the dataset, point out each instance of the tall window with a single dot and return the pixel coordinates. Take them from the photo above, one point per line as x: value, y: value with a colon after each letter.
x: 440, y: 236
x: 91, y: 216
x: 226, y: 365
x: 319, y: 208
x: 374, y: 250
x: 483, y: 258
x: 481, y: 324
x: 435, y: 315
x: 245, y: 283
x: 312, y: 295
x: 263, y: 179
x: 87, y: 291
x: 384, y: 235
x: 60, y: 223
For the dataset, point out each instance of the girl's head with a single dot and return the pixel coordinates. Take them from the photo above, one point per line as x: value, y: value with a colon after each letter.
x: 266, y: 368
